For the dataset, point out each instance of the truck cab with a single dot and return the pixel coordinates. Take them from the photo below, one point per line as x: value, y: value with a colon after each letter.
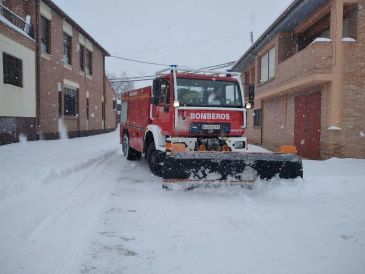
x: 203, y: 110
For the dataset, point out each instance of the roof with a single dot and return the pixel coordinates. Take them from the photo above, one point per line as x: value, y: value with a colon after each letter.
x: 75, y: 25
x: 297, y: 11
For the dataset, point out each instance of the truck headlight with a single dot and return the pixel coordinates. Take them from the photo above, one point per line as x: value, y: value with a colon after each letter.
x: 239, y: 144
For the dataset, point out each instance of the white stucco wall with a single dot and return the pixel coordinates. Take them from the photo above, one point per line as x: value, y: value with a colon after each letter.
x: 16, y: 101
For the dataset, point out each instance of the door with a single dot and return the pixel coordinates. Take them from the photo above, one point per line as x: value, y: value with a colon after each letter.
x: 307, y: 129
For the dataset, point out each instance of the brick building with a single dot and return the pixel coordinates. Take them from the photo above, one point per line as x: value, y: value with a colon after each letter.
x: 308, y: 69
x: 70, y: 82
x: 17, y: 77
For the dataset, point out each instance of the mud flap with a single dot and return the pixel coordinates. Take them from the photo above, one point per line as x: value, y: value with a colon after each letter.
x: 230, y: 166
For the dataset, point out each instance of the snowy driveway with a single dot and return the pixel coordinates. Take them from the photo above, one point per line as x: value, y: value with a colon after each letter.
x: 75, y: 206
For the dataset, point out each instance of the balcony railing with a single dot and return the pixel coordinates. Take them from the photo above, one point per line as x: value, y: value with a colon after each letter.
x: 16, y: 20
x: 314, y: 59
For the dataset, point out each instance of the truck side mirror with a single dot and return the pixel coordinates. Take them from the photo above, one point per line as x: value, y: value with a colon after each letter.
x: 167, y: 97
x: 251, y: 96
x: 156, y: 91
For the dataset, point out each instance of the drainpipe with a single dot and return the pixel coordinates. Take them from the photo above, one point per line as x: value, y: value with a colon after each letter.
x: 104, y: 92
x: 37, y: 67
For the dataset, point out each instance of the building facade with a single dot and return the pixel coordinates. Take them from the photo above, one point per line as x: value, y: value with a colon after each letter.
x: 69, y: 65
x: 17, y: 77
x: 308, y: 70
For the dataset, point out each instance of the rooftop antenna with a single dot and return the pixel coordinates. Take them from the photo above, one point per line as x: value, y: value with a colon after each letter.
x: 251, y: 37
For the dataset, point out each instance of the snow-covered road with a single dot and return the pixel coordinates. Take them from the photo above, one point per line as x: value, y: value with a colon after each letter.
x: 75, y: 206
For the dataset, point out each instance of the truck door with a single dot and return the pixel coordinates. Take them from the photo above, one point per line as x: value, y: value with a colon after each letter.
x: 161, y: 104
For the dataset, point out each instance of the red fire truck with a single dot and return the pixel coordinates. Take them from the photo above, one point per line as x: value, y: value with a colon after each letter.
x: 190, y: 125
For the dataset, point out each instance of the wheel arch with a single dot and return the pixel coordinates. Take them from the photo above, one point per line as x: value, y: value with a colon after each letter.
x: 153, y: 133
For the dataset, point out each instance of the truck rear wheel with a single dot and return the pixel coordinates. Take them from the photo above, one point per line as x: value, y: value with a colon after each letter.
x: 155, y: 158
x: 128, y: 152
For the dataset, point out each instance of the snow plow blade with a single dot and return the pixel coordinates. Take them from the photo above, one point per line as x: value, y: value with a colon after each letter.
x: 216, y: 167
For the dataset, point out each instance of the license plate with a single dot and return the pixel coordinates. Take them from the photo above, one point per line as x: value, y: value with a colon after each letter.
x: 212, y: 127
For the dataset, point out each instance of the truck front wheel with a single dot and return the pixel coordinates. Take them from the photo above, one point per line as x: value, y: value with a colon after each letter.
x: 128, y: 152
x: 155, y: 158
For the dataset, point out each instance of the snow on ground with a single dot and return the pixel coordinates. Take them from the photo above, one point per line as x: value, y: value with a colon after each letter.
x: 75, y: 206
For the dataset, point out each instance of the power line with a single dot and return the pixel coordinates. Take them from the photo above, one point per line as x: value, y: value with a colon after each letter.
x: 185, y: 44
x: 166, y: 65
x: 131, y: 78
x: 228, y: 64
x: 139, y: 61
x: 128, y: 80
x: 151, y: 77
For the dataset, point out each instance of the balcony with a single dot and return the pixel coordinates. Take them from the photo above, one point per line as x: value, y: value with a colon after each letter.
x: 309, y: 66
x: 14, y: 21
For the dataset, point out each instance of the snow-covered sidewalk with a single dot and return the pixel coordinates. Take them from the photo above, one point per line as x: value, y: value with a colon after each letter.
x: 75, y: 206
x: 29, y: 165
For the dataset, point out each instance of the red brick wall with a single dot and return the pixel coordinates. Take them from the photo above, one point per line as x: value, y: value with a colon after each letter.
x: 253, y: 133
x: 16, y: 36
x: 349, y: 141
x: 53, y: 72
x: 278, y: 122
x: 110, y: 112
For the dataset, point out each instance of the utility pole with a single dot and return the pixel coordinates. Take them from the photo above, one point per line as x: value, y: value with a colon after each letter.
x: 251, y: 37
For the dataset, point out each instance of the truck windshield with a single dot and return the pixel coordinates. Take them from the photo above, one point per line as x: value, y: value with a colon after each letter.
x: 208, y: 93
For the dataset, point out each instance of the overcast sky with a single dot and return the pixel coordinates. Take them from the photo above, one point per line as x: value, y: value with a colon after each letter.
x: 142, y: 29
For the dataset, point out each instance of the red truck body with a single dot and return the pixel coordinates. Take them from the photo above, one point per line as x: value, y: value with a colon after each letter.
x: 138, y: 108
x: 192, y: 124
x: 141, y: 113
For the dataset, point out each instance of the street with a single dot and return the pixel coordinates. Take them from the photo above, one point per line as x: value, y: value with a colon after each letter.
x: 76, y: 206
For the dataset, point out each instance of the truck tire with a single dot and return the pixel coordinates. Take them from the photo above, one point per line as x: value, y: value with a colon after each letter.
x: 128, y: 152
x: 155, y: 158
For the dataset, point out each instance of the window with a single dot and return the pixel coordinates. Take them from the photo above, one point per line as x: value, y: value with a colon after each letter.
x: 320, y: 29
x: 70, y: 102
x: 165, y: 92
x: 82, y: 58
x: 89, y: 62
x: 208, y: 93
x: 350, y: 22
x: 67, y: 49
x: 124, y: 112
x: 60, y: 114
x: 45, y: 35
x: 257, y: 118
x: 268, y: 65
x: 87, y: 109
x: 103, y: 110
x: 13, y: 70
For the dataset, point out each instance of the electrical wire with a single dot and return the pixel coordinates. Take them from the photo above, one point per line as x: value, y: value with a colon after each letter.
x: 185, y: 44
x: 127, y: 80
x: 138, y: 61
x: 151, y: 77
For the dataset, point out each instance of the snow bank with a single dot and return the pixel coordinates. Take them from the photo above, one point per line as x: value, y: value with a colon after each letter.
x: 26, y: 166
